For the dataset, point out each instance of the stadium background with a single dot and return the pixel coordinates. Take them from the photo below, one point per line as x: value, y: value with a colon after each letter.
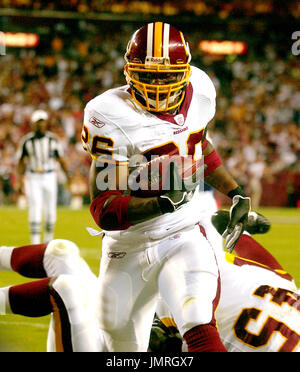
x: 80, y: 54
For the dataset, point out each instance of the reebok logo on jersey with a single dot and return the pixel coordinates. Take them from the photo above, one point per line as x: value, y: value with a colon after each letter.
x: 96, y: 122
x: 116, y: 254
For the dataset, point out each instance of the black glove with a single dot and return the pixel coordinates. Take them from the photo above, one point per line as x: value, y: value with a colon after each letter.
x: 178, y: 194
x: 238, y: 217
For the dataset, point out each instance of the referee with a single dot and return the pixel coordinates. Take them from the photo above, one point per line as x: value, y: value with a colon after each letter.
x: 37, y: 156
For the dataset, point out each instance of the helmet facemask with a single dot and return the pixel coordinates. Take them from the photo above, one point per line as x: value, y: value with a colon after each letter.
x: 161, y: 87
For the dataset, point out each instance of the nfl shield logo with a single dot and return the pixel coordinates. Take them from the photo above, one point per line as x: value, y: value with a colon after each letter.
x: 179, y: 119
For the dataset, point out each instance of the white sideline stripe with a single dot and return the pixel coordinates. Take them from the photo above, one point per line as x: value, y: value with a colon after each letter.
x: 37, y: 325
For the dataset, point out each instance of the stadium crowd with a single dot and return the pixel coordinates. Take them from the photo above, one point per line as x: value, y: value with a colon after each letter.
x: 198, y: 7
x: 256, y: 128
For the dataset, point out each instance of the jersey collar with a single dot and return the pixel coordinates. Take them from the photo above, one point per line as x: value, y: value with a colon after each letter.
x: 180, y: 117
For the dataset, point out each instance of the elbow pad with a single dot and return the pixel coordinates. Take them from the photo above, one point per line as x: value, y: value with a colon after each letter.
x: 111, y: 215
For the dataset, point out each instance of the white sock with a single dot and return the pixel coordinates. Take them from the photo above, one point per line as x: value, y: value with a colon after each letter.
x: 48, y: 232
x: 35, y: 239
x: 5, y: 256
x: 48, y: 236
x: 4, y: 301
x: 35, y: 232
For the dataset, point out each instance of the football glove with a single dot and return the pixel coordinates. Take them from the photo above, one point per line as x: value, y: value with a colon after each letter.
x: 238, y: 217
x: 178, y: 194
x: 256, y: 224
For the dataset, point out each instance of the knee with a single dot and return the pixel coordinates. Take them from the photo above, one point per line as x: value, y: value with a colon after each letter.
x: 62, y: 247
x: 63, y: 257
x: 70, y: 289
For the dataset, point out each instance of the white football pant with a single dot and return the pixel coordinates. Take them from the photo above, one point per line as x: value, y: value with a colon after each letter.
x: 181, y: 267
x: 77, y: 287
x: 41, y: 193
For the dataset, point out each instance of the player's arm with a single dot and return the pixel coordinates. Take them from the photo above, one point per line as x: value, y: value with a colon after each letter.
x: 64, y: 167
x: 21, y: 168
x: 114, y: 209
x: 111, y: 208
x: 217, y: 176
x: 59, y: 156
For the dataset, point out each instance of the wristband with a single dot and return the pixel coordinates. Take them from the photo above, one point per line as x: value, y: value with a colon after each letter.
x: 237, y: 191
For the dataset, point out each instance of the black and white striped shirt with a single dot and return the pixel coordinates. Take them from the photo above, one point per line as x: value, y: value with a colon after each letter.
x: 41, y: 152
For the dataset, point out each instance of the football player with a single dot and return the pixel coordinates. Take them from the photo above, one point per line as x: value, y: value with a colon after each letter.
x: 259, y: 308
x: 66, y: 289
x: 153, y: 244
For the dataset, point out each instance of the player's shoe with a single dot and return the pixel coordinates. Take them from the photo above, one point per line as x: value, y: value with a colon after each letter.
x: 256, y: 224
x: 164, y: 339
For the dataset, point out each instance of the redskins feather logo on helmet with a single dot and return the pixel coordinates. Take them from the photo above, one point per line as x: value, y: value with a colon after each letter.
x: 157, y: 67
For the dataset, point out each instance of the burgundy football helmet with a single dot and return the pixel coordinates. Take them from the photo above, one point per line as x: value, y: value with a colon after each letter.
x: 157, y: 67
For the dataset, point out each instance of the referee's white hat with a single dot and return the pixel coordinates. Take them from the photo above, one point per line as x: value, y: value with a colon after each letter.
x: 39, y: 115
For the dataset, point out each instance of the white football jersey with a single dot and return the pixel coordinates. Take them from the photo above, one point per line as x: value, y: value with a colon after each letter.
x: 116, y: 128
x: 258, y: 310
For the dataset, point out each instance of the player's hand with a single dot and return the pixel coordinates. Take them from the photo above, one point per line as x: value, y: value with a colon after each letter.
x: 238, y: 217
x: 178, y: 194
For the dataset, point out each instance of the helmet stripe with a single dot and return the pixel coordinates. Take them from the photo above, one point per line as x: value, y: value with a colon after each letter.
x: 166, y: 40
x: 186, y: 47
x: 158, y: 39
x: 149, y: 39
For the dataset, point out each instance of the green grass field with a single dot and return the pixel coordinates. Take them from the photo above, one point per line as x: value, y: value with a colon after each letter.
x: 23, y: 334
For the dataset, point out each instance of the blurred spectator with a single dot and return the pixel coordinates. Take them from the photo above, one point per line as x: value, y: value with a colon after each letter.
x: 198, y: 7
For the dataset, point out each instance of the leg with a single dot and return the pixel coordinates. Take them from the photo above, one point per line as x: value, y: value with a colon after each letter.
x: 75, y: 327
x: 127, y: 298
x: 48, y: 232
x: 26, y: 260
x: 22, y: 299
x: 44, y: 260
x: 50, y: 197
x: 35, y: 202
x: 194, y: 274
